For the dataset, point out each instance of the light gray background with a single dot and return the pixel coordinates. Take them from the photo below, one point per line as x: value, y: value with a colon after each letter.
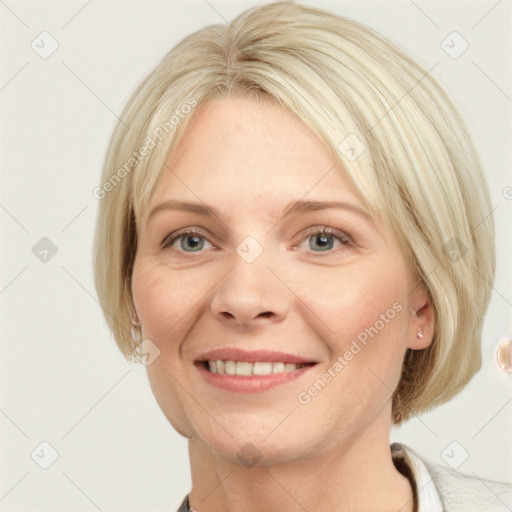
x: 62, y: 379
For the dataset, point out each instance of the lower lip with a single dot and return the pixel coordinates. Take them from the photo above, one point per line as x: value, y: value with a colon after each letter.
x: 251, y: 383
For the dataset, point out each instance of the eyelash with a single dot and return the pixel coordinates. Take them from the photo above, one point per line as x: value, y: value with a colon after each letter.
x: 345, y: 239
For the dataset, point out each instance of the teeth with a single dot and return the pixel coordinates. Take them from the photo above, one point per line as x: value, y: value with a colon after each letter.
x: 230, y: 367
x: 261, y: 368
x: 277, y: 367
x: 245, y: 368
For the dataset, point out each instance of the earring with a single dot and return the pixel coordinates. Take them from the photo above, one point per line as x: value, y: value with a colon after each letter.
x: 419, y: 334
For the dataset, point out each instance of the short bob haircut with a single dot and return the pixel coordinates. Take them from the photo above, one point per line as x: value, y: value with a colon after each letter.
x: 388, y: 123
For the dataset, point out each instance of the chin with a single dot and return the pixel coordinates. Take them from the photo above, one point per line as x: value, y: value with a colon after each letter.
x: 254, y: 447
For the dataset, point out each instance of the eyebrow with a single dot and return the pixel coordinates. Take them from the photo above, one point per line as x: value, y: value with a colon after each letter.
x: 294, y: 208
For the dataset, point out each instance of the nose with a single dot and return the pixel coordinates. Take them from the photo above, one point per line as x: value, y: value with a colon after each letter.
x: 250, y: 293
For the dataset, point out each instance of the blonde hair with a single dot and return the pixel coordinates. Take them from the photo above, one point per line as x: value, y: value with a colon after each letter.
x: 360, y: 93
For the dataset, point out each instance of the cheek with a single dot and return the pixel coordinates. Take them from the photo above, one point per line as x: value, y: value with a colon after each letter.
x: 168, y: 399
x: 350, y: 302
x: 163, y: 298
x: 363, y: 321
x: 165, y: 302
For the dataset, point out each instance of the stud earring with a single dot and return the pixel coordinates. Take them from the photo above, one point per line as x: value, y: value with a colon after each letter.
x: 419, y: 334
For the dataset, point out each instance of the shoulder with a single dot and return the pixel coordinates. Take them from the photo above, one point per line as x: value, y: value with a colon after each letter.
x: 463, y: 492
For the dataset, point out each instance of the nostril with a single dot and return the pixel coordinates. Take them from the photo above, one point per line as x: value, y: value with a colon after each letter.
x: 265, y: 314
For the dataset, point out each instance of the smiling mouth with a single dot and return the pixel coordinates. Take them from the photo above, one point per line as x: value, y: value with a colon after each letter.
x: 247, y: 369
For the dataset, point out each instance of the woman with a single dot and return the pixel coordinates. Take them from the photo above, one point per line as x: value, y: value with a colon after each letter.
x: 330, y: 194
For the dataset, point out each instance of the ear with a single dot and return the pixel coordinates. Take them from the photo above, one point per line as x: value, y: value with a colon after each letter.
x: 422, y: 320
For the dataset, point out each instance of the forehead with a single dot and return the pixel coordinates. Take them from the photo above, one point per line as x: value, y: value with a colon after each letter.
x: 240, y: 149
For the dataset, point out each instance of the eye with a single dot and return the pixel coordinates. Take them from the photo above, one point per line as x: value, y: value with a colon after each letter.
x: 193, y: 239
x: 323, y: 238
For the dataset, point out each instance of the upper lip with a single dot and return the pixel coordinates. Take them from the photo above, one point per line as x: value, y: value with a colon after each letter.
x: 253, y: 356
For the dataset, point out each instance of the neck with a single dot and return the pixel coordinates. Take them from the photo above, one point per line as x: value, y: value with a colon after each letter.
x: 358, y: 474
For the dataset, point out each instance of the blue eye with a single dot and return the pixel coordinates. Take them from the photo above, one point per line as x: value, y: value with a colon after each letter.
x: 323, y: 238
x: 192, y: 238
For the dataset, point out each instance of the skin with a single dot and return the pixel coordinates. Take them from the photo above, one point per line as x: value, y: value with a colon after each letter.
x: 249, y: 160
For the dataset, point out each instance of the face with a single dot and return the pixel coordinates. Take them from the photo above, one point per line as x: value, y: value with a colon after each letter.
x: 255, y: 274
